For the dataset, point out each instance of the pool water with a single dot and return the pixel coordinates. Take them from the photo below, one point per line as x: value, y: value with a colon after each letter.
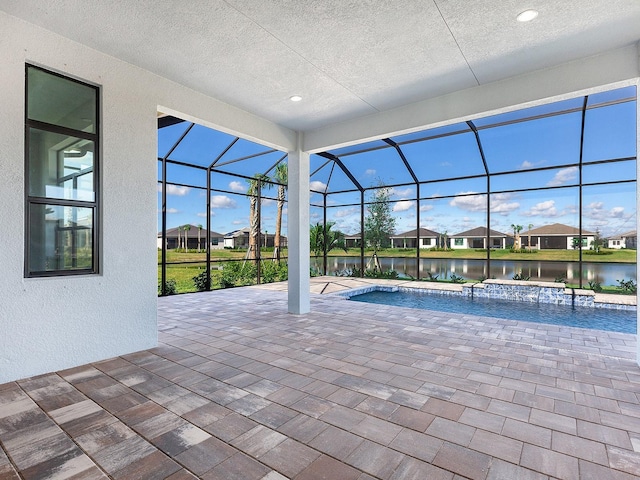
x: 623, y: 321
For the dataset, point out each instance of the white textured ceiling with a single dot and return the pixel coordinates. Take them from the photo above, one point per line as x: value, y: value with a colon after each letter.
x: 347, y: 58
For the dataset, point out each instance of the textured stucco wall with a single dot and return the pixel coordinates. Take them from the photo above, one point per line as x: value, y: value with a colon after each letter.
x: 55, y: 323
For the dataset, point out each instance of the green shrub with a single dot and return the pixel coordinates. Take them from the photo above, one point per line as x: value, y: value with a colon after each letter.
x: 201, y: 281
x: 431, y: 277
x: 595, y: 286
x: 456, y: 278
x: 170, y: 287
x: 627, y: 286
x: 520, y: 276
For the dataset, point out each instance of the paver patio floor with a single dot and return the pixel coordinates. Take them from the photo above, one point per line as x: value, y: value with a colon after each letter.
x: 240, y: 389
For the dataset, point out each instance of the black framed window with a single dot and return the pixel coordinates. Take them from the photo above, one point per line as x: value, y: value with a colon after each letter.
x: 61, y: 151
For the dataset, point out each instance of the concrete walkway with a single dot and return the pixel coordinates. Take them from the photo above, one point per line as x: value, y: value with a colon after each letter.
x: 239, y: 389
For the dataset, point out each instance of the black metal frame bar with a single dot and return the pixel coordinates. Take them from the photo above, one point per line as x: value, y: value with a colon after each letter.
x: 336, y: 160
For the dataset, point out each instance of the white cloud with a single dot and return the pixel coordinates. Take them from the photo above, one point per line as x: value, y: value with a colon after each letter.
x: 238, y: 222
x: 470, y: 203
x: 318, y: 186
x: 403, y: 205
x: 204, y: 214
x: 265, y: 202
x: 222, y: 201
x: 402, y: 193
x: 500, y: 203
x: 525, y: 165
x: 346, y: 213
x: 237, y: 187
x: 564, y: 176
x: 446, y: 164
x: 542, y: 209
x: 173, y: 210
x: 617, y: 212
x: 426, y: 208
x: 178, y: 190
x: 370, y: 172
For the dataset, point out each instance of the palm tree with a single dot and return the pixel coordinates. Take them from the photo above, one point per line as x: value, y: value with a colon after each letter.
x: 529, y: 231
x: 281, y: 176
x: 254, y: 190
x: 199, y: 230
x: 516, y: 233
x: 319, y: 236
x: 179, y: 238
x: 186, y: 229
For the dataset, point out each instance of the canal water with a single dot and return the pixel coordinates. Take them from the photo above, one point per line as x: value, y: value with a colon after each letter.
x: 605, y: 273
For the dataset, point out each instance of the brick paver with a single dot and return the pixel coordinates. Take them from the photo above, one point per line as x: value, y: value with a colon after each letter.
x: 239, y: 389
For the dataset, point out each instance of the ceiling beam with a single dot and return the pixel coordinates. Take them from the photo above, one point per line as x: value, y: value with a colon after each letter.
x: 580, y: 77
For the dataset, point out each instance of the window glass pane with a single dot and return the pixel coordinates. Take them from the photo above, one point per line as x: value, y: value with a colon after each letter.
x: 168, y: 136
x: 61, y: 238
x: 60, y: 166
x: 448, y: 188
x: 377, y: 167
x: 544, y: 142
x: 609, y: 172
x: 60, y: 101
x: 544, y: 178
x: 610, y: 132
x: 445, y: 157
x: 201, y: 146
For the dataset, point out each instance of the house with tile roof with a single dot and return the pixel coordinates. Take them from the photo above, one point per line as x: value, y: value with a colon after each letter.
x: 477, y: 238
x: 556, y: 236
x: 428, y: 239
x: 625, y: 240
x: 175, y: 233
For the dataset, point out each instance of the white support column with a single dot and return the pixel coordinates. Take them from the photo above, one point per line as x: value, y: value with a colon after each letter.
x: 298, y: 230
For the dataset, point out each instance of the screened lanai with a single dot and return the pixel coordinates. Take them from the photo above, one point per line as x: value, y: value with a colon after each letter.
x: 554, y: 177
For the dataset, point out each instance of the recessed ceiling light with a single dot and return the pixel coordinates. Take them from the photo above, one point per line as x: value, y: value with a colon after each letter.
x: 527, y: 15
x: 295, y: 98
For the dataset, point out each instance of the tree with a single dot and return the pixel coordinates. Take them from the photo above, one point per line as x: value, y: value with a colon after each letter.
x: 199, y: 230
x: 255, y: 190
x: 319, y: 236
x: 516, y: 233
x: 379, y: 224
x: 596, y: 243
x: 281, y: 176
x: 179, y: 239
x: 529, y: 241
x: 186, y: 237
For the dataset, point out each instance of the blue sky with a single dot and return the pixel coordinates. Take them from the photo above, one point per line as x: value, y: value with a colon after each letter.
x: 551, y: 143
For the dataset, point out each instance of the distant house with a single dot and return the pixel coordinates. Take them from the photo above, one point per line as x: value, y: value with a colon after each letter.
x: 626, y: 240
x: 352, y: 241
x: 477, y: 238
x: 240, y: 239
x: 217, y: 239
x: 428, y: 239
x: 556, y: 236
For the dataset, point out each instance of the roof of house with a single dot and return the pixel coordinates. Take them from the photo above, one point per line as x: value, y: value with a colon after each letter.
x: 173, y: 232
x: 424, y: 232
x: 556, y: 229
x: 631, y: 233
x: 480, y: 232
x: 237, y: 233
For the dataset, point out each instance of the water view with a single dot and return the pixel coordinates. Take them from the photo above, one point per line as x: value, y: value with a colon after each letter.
x: 597, y: 318
x: 605, y: 273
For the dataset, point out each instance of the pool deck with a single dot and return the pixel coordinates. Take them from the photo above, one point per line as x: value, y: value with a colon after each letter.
x: 238, y: 389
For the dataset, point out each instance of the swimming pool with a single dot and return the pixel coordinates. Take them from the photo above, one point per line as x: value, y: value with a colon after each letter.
x: 623, y: 321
